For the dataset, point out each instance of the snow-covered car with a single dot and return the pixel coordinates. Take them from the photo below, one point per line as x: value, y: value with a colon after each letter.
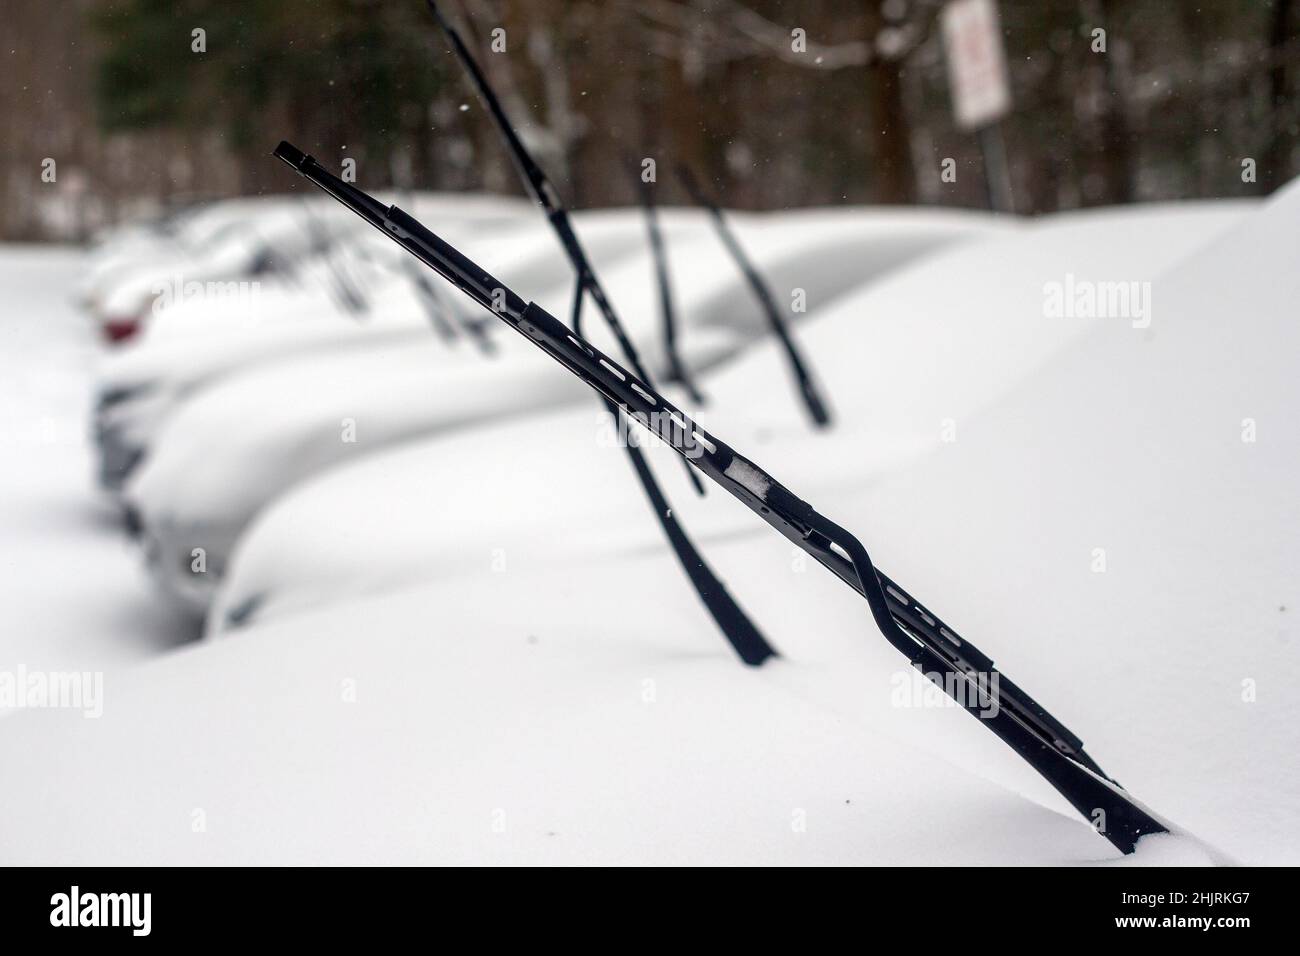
x: 183, y: 352
x: 222, y: 241
x: 970, y: 321
x: 131, y: 245
x: 248, y: 241
x: 233, y: 447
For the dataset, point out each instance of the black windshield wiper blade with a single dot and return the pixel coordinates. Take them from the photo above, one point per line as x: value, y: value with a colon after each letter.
x: 812, y: 397
x: 676, y: 367
x: 446, y: 321
x: 930, y: 645
x: 538, y: 185
x: 740, y: 632
x: 541, y: 189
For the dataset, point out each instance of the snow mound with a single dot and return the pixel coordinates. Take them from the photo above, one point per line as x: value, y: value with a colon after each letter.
x: 388, y: 733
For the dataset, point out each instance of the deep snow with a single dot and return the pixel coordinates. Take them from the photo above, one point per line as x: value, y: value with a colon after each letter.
x: 245, y: 438
x: 553, y: 693
x: 938, y: 341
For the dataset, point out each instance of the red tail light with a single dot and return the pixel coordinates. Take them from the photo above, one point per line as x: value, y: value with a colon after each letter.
x: 118, y: 330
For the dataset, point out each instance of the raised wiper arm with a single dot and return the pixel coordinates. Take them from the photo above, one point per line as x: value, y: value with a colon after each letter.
x: 812, y: 398
x: 676, y: 367
x: 541, y: 189
x: 538, y: 185
x: 930, y: 645
x: 741, y: 633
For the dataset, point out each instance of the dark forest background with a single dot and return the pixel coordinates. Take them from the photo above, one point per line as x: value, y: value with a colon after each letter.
x: 137, y: 121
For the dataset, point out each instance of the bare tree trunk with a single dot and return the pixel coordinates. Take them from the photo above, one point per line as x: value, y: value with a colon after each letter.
x: 1277, y: 160
x: 1115, y: 148
x: 891, y: 158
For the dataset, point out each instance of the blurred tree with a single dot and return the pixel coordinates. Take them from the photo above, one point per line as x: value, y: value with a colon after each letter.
x: 776, y: 103
x: 334, y: 74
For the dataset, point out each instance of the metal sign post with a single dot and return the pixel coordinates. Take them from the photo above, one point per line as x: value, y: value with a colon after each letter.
x: 981, y: 90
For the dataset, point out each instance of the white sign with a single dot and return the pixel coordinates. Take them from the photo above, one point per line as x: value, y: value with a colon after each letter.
x: 977, y: 65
